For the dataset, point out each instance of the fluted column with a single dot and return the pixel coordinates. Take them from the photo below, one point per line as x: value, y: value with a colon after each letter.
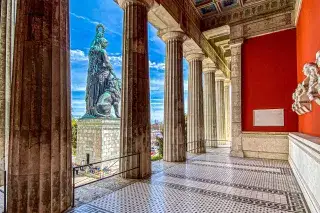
x: 40, y: 169
x: 209, y: 97
x: 221, y: 127
x: 174, y: 149
x: 195, y: 131
x: 135, y: 103
x: 7, y: 25
x: 227, y: 98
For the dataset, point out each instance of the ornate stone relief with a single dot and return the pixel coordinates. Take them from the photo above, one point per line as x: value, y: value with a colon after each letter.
x: 259, y: 27
x: 312, y: 72
x: 267, y: 25
x: 248, y: 13
x: 302, y: 104
x: 309, y: 89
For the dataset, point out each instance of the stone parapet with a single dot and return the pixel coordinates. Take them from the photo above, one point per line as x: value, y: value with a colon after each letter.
x: 304, y: 159
x: 98, y: 139
x: 267, y: 145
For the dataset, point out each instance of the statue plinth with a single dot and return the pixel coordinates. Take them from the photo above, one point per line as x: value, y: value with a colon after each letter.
x: 98, y: 140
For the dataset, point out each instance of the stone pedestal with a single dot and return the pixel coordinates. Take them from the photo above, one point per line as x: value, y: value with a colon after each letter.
x: 221, y: 125
x: 135, y: 104
x: 174, y: 148
x: 98, y: 140
x: 40, y: 158
x: 195, y: 137
x: 209, y: 106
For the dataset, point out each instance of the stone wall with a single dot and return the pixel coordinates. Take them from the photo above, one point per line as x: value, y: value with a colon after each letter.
x: 268, y: 145
x: 100, y: 138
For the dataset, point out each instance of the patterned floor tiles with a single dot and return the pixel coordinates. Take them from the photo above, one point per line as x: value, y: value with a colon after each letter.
x: 212, y: 182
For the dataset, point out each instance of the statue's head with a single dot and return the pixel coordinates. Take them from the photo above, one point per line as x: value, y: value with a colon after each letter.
x: 310, y: 69
x: 103, y: 43
x: 99, y: 41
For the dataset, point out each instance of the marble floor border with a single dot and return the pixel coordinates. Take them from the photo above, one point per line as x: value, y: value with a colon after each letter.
x: 283, y: 171
x: 295, y: 202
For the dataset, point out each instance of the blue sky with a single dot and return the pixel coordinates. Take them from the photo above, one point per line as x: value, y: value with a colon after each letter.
x: 84, y: 16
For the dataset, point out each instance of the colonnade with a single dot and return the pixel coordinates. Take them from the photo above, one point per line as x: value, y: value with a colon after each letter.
x: 40, y: 163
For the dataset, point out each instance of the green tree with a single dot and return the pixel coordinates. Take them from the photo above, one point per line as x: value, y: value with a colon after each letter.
x: 74, y: 135
x: 159, y: 138
x: 160, y: 141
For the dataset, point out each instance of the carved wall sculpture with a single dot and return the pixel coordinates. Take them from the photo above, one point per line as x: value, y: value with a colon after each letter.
x: 309, y: 89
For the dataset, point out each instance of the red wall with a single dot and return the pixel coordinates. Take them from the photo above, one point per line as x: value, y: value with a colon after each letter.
x: 269, y: 78
x: 308, y: 43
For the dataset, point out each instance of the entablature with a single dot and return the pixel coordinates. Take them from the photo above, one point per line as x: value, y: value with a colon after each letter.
x: 250, y: 11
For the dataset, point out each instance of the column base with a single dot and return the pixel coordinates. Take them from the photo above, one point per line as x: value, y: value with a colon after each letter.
x: 175, y: 161
x: 237, y: 153
x: 211, y: 143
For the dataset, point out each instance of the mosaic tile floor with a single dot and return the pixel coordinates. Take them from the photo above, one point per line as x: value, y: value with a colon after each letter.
x: 212, y: 182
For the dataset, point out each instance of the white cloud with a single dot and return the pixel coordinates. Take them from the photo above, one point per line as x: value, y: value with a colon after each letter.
x: 85, y: 19
x: 185, y: 85
x: 116, y: 60
x: 78, y: 56
x: 115, y: 54
x: 94, y: 23
x: 157, y: 66
x: 157, y: 115
x: 78, y: 88
x: 78, y: 102
x: 156, y: 85
x: 156, y: 82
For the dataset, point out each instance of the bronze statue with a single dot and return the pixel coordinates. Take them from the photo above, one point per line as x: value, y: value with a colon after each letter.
x: 103, y: 87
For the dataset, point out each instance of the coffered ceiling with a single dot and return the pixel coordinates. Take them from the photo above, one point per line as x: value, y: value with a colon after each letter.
x: 207, y: 7
x: 213, y: 7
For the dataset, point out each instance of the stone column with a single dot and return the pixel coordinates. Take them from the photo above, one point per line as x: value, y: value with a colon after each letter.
x: 174, y: 148
x: 135, y: 133
x: 40, y: 158
x: 209, y: 97
x: 227, y: 98
x: 7, y: 25
x: 221, y: 126
x: 195, y: 137
x: 236, y: 127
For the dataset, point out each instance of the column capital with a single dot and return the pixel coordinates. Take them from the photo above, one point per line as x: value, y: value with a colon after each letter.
x: 170, y: 34
x: 147, y: 3
x: 236, y: 42
x: 227, y: 82
x: 220, y: 76
x: 208, y: 66
x: 194, y: 55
